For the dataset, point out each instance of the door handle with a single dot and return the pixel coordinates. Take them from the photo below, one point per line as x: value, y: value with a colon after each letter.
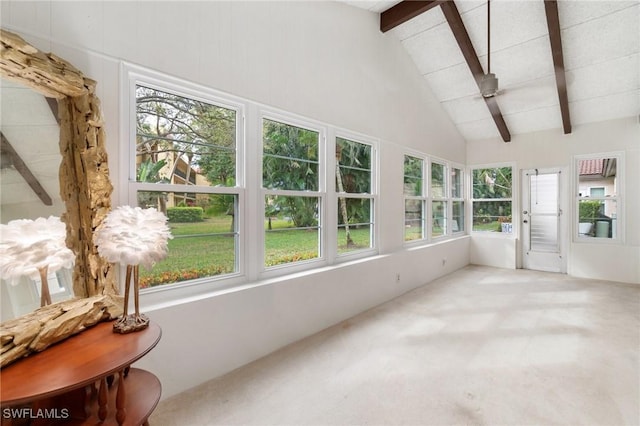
x: 525, y: 221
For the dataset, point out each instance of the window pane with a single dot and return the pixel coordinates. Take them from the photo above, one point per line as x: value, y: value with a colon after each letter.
x: 456, y: 183
x: 544, y: 233
x: 489, y: 215
x: 354, y: 224
x: 183, y: 141
x: 204, y: 233
x: 291, y: 229
x: 458, y: 216
x: 413, y: 175
x: 492, y: 183
x: 290, y: 157
x: 353, y: 174
x: 437, y: 180
x: 597, y: 218
x: 597, y: 177
x: 439, y: 213
x: 413, y: 220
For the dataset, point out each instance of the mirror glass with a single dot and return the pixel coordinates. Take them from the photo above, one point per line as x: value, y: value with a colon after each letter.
x: 29, y: 185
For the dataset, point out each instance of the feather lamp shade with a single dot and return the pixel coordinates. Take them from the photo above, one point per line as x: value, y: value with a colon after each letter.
x: 28, y: 246
x: 133, y: 236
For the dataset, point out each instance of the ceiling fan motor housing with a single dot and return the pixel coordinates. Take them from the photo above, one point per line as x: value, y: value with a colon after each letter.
x: 489, y: 85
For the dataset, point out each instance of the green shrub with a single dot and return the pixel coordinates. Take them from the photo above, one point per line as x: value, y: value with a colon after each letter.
x: 589, y: 210
x: 185, y: 214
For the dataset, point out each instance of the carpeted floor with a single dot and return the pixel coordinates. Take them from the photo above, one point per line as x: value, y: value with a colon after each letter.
x: 482, y: 346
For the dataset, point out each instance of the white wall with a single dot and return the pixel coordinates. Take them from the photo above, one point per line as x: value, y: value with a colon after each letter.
x: 323, y: 60
x: 608, y: 260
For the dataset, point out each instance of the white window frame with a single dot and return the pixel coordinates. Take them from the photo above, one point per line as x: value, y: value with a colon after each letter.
x: 373, y: 196
x: 472, y: 200
x: 445, y: 198
x: 272, y: 114
x: 618, y: 198
x: 462, y: 230
x: 133, y: 76
x: 423, y: 198
x: 250, y: 218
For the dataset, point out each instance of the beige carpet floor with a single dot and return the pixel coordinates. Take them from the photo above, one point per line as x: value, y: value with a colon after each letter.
x: 481, y: 346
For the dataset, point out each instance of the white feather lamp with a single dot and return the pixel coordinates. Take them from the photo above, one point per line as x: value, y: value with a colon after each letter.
x: 132, y: 236
x: 34, y: 248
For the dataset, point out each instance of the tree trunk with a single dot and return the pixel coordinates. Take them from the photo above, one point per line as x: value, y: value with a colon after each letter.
x: 343, y: 205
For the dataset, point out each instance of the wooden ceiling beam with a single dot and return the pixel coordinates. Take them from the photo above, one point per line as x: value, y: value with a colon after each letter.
x: 454, y: 19
x: 404, y: 11
x: 53, y: 106
x: 553, y: 24
x: 23, y: 169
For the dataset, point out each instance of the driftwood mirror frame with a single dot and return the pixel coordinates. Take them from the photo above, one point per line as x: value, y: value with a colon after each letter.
x: 85, y: 189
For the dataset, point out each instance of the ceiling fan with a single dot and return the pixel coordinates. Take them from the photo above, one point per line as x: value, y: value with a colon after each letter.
x: 489, y: 81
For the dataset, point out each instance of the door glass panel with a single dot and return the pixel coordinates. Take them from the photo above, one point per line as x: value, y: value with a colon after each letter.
x: 543, y: 193
x: 544, y: 233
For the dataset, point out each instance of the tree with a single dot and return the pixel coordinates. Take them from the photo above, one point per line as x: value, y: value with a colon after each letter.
x: 290, y: 162
x: 202, y: 134
x: 148, y: 171
x: 353, y: 175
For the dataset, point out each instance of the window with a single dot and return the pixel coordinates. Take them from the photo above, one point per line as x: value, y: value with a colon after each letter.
x: 598, y: 196
x: 491, y: 198
x: 354, y: 187
x: 439, y: 200
x: 457, y: 200
x: 292, y: 201
x: 185, y: 165
x: 414, y: 198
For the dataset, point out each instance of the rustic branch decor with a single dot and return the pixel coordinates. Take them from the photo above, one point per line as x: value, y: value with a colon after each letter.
x: 84, y: 186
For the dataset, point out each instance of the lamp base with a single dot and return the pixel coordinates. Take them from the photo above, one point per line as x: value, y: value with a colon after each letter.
x: 131, y: 323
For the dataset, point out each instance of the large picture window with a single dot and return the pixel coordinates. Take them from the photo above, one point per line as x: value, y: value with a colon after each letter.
x: 186, y: 167
x: 491, y: 198
x: 292, y: 203
x: 354, y: 185
x: 598, y: 194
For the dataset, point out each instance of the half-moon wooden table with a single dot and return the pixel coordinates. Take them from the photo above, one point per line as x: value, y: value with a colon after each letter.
x: 83, y: 380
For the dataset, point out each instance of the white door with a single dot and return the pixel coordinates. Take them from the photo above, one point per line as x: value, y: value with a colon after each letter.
x: 543, y: 224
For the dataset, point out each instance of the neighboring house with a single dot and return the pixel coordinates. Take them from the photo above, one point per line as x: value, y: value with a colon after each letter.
x: 597, y: 179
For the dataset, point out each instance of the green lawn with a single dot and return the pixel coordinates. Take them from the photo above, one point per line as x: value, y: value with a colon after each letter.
x: 207, y: 248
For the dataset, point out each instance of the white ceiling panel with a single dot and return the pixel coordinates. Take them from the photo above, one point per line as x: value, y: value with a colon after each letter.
x: 452, y: 83
x: 600, y: 40
x: 482, y: 129
x: 512, y: 23
x: 419, y: 24
x: 577, y: 12
x: 534, y: 120
x: 32, y: 130
x: 606, y: 78
x: 533, y: 95
x: 23, y: 106
x: 467, y: 109
x: 434, y: 49
x: 606, y: 107
x: 523, y: 62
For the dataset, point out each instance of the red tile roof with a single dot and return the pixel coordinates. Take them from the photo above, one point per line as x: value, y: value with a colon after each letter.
x: 591, y: 167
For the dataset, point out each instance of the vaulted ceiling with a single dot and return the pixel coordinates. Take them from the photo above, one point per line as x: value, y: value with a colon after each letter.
x: 29, y: 150
x: 599, y: 50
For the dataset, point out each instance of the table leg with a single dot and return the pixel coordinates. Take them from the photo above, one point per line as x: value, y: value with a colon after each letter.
x: 121, y: 397
x: 102, y: 399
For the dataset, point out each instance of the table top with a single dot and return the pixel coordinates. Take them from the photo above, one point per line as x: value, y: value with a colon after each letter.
x: 77, y: 361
